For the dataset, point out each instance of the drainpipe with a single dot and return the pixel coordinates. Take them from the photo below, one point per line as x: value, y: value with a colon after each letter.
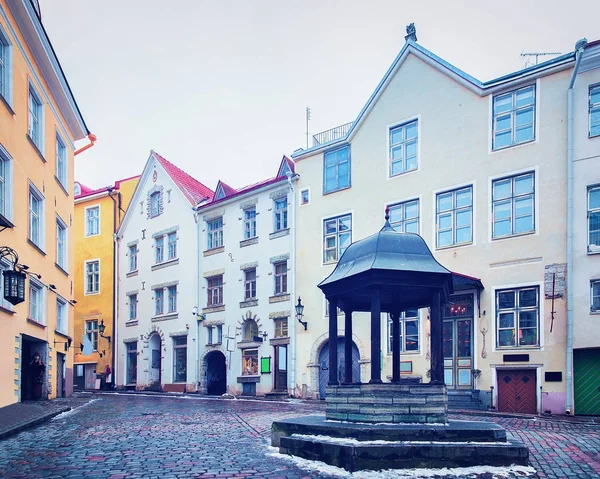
x: 110, y: 190
x: 579, y: 47
x: 292, y: 362
x: 92, y: 139
x: 197, y: 299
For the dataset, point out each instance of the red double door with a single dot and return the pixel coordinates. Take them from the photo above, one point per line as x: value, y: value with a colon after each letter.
x: 517, y: 391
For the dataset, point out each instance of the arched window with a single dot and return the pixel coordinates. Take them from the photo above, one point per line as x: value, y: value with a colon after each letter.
x: 77, y: 189
x: 250, y: 330
x: 155, y: 204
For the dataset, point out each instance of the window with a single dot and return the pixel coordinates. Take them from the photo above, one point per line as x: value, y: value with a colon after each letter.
x: 404, y: 217
x: 595, y: 296
x: 403, y: 148
x: 4, y: 265
x: 159, y: 249
x: 250, y: 362
x: 281, y: 278
x: 454, y: 217
x: 215, y: 291
x: 61, y: 244
x: 594, y: 110
x: 92, y: 277
x: 339, y: 311
x: 61, y: 161
x: 305, y: 196
x: 517, y: 317
x: 36, y: 120
x: 180, y: 359
x: 61, y: 316
x: 594, y: 219
x: 337, y: 236
x: 219, y: 333
x: 159, y: 301
x: 250, y: 223
x: 249, y: 284
x: 91, y: 329
x: 132, y: 362
x: 36, y: 302
x: 513, y: 205
x: 133, y: 298
x: 281, y: 215
x: 513, y: 118
x: 409, y: 331
x: 36, y: 217
x: 209, y: 335
x: 249, y: 330
x: 172, y: 245
x: 5, y: 183
x: 336, y: 170
x: 172, y: 306
x: 281, y: 327
x: 92, y: 221
x: 155, y: 204
x: 215, y: 233
x: 5, y: 66
x: 133, y: 260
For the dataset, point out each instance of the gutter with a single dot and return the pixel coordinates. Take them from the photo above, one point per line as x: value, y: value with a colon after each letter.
x: 579, y: 48
x: 115, y: 276
x: 196, y: 215
x: 292, y: 363
x: 92, y: 139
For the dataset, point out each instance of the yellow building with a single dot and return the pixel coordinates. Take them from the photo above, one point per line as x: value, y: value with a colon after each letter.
x: 39, y: 123
x: 98, y: 214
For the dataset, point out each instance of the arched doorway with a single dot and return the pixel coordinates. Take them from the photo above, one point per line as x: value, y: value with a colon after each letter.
x: 324, y: 365
x: 216, y: 373
x: 154, y: 378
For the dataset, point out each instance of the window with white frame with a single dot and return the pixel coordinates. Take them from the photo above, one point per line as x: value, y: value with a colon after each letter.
x: 62, y: 316
x: 159, y: 249
x: 36, y: 120
x: 595, y: 296
x: 214, y: 233
x: 180, y: 359
x: 404, y: 217
x: 5, y: 66
x: 513, y: 204
x: 336, y: 169
x: 403, y: 148
x: 171, y: 246
x: 36, y: 217
x: 337, y: 236
x: 594, y: 219
x: 594, y: 106
x: 280, y: 214
x: 36, y: 302
x: 281, y: 327
x: 155, y: 204
x: 133, y: 299
x: 249, y: 223
x: 513, y: 118
x: 249, y: 284
x: 408, y: 329
x: 91, y: 330
x: 518, y: 317
x: 454, y: 217
x: 61, y: 243
x: 281, y: 277
x: 214, y: 291
x: 92, y: 221
x: 133, y: 258
x: 61, y: 161
x: 92, y: 277
x: 172, y: 299
x: 5, y: 183
x: 159, y: 301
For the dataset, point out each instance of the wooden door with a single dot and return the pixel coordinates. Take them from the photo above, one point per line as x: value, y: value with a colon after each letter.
x: 90, y: 376
x: 324, y: 365
x: 60, y: 375
x: 586, y: 370
x: 517, y: 391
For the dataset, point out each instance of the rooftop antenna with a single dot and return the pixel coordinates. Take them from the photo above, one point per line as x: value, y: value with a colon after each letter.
x: 307, y: 120
x: 537, y: 55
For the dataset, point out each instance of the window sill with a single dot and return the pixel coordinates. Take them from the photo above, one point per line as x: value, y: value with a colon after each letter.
x: 132, y: 322
x: 210, y: 252
x: 508, y: 147
x: 5, y: 223
x: 64, y: 335
x: 213, y: 309
x: 249, y: 303
x: 390, y: 176
x: 279, y: 341
x: 517, y: 348
x: 517, y: 235
x: 6, y: 310
x: 279, y: 298
x: 132, y: 274
x: 403, y: 353
x: 164, y: 317
x: 249, y: 242
x: 7, y: 105
x: 62, y: 187
x: 443, y: 248
x: 61, y: 269
x: 36, y: 247
x: 35, y: 147
x: 213, y: 345
x: 248, y: 378
x: 595, y: 311
x: 36, y: 323
x: 165, y: 264
x: 593, y: 249
x: 88, y: 235
x: 279, y: 233
x: 325, y: 193
x: 589, y: 135
x: 93, y: 293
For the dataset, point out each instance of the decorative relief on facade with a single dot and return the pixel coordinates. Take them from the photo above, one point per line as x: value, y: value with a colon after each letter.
x: 275, y: 195
x: 279, y: 258
x: 214, y: 214
x: 216, y: 309
x: 179, y: 333
x: 171, y: 229
x: 133, y: 243
x: 164, y: 285
x: 280, y: 298
x: 252, y: 265
x: 249, y: 304
x: 133, y: 291
x: 248, y: 203
x: 279, y: 234
x: 210, y: 252
x: 151, y: 191
x: 280, y: 314
x: 214, y: 272
x: 537, y: 259
x: 249, y: 242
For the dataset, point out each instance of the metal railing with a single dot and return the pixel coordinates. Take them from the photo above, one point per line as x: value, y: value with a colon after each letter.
x: 328, y: 136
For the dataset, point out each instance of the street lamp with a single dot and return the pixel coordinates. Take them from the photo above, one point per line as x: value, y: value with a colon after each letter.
x: 300, y: 313
x: 14, y: 279
x: 101, y: 329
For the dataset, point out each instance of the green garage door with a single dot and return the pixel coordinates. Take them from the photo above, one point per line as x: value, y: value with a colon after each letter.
x: 587, y: 381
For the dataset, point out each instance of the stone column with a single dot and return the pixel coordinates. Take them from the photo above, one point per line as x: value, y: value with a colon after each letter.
x: 375, y: 338
x: 437, y: 340
x: 395, y: 346
x: 348, y: 348
x: 333, y: 343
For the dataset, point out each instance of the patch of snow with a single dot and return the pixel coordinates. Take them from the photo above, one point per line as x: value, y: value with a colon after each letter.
x: 389, y: 423
x: 73, y: 411
x: 344, y: 440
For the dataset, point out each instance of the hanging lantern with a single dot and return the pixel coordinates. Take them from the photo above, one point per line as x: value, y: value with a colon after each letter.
x: 14, y: 286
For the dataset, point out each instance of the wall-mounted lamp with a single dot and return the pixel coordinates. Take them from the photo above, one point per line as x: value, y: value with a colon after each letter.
x: 101, y: 329
x: 67, y: 343
x: 14, y: 279
x: 300, y: 313
x: 52, y: 286
x: 200, y: 316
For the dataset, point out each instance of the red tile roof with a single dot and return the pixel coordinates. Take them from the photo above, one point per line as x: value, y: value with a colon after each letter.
x: 87, y: 191
x: 192, y: 189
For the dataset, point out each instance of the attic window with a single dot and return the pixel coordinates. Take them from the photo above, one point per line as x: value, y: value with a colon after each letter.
x: 154, y: 204
x: 76, y: 189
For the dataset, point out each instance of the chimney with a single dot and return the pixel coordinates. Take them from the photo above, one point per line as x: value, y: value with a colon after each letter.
x: 411, y: 33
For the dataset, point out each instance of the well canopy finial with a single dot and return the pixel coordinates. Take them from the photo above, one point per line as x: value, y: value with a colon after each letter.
x: 387, y: 213
x: 411, y: 32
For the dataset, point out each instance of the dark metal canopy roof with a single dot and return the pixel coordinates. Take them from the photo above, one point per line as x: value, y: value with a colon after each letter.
x: 398, y: 265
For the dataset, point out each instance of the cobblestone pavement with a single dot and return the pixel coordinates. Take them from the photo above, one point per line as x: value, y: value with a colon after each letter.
x: 118, y: 437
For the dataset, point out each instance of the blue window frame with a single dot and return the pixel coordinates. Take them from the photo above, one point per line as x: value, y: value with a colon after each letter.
x: 336, y: 169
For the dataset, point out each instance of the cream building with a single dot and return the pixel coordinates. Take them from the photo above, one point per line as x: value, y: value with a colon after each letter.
x: 478, y: 169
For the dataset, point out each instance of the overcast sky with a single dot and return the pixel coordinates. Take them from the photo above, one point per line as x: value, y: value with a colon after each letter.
x: 220, y: 87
